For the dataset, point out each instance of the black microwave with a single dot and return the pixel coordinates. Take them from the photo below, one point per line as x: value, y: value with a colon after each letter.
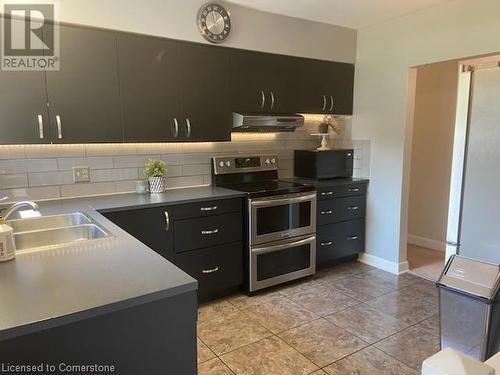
x: 323, y: 164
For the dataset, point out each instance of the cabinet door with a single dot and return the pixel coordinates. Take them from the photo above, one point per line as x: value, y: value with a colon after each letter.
x: 149, y: 85
x: 206, y: 115
x: 258, y: 82
x: 23, y: 108
x: 23, y: 105
x: 84, y: 95
x: 341, y: 88
x: 150, y: 226
x: 310, y: 87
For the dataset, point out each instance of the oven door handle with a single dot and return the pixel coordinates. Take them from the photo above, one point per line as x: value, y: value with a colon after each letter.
x: 278, y: 201
x: 269, y: 249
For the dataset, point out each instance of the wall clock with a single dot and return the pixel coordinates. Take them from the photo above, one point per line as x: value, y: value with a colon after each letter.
x: 214, y: 22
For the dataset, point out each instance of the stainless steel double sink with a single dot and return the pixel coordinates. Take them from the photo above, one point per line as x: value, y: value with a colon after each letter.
x: 56, y: 230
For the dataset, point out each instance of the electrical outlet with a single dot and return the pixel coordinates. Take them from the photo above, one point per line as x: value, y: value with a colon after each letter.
x: 81, y: 174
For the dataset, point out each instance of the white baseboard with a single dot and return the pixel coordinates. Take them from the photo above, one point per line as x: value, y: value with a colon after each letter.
x: 426, y: 242
x: 384, y: 264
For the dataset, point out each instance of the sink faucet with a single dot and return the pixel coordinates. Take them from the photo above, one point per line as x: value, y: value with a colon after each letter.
x: 18, y: 205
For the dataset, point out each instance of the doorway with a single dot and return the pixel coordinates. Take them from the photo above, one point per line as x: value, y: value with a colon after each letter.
x: 434, y: 113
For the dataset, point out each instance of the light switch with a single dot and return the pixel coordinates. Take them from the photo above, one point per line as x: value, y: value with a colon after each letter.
x: 81, y: 174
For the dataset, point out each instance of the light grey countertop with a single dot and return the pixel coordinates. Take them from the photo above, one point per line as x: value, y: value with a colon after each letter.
x: 46, y: 288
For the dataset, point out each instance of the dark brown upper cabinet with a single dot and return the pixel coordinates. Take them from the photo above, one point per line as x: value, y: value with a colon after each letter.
x: 150, y: 88
x: 259, y: 82
x: 206, y: 114
x: 23, y: 108
x: 84, y: 96
x: 322, y: 87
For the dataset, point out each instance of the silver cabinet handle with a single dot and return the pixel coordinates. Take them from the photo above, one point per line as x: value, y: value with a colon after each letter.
x: 209, y: 232
x: 212, y: 270
x: 167, y: 221
x: 353, y: 190
x: 288, y: 245
x: 40, y: 126
x: 59, y: 127
x: 329, y: 212
x: 353, y: 208
x: 352, y: 238
x: 263, y: 99
x: 272, y: 100
x: 328, y: 243
x: 331, y: 105
x: 213, y: 208
x: 176, y: 128
x: 278, y: 201
x: 188, y: 128
x: 324, y: 103
x: 327, y: 193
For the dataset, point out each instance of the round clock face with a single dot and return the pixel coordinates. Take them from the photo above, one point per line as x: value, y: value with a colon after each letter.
x: 214, y: 22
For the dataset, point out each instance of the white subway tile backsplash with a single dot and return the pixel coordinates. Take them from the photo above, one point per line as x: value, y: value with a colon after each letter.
x: 27, y: 165
x: 78, y: 190
x: 132, y: 161
x: 12, y: 152
x: 45, y: 171
x: 50, y: 178
x: 117, y: 174
x: 196, y: 169
x: 91, y: 162
x: 36, y: 193
x: 54, y: 151
x: 9, y: 181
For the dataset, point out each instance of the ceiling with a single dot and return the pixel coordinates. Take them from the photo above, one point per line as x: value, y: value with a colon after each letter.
x: 356, y: 14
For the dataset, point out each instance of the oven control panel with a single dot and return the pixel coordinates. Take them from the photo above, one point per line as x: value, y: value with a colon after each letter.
x: 244, y: 163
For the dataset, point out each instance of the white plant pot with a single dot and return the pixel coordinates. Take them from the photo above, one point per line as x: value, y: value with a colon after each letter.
x: 156, y: 185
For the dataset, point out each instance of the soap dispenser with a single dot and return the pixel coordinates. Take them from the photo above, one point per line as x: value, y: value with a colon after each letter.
x: 7, y: 250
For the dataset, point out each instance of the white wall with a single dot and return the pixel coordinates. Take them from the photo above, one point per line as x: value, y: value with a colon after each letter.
x: 385, y: 52
x: 251, y: 29
x: 431, y: 153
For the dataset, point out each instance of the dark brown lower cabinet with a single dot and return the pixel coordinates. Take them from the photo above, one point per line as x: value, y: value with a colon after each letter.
x: 204, y: 239
x: 336, y: 241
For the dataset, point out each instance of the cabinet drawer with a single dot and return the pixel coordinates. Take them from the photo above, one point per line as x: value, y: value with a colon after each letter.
x: 339, y: 240
x: 206, y: 208
x: 207, y: 231
x: 341, y: 209
x: 216, y: 268
x: 330, y: 192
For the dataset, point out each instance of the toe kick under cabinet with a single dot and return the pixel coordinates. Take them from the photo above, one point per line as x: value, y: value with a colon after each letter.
x: 204, y: 239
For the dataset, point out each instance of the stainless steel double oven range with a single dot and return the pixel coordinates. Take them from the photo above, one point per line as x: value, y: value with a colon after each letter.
x: 280, y: 242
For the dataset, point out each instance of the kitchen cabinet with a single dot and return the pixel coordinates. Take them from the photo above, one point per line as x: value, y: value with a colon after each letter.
x: 206, y: 115
x: 150, y: 88
x: 84, y: 96
x: 23, y: 112
x: 204, y: 239
x: 151, y: 226
x: 323, y: 87
x: 259, y: 82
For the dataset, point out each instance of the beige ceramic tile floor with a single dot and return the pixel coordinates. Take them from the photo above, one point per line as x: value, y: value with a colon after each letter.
x: 350, y: 319
x: 425, y: 262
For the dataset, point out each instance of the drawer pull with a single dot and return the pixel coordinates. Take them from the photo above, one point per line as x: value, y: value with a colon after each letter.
x: 353, y: 190
x: 352, y: 238
x: 213, y: 208
x: 329, y: 212
x: 329, y: 243
x: 212, y: 270
x: 326, y: 193
x: 209, y: 232
x: 167, y: 221
x: 353, y: 208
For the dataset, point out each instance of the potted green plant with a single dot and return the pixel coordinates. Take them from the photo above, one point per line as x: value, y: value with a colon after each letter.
x: 155, y: 170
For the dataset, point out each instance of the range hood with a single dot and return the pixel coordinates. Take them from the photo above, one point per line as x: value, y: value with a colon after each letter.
x: 266, y: 123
